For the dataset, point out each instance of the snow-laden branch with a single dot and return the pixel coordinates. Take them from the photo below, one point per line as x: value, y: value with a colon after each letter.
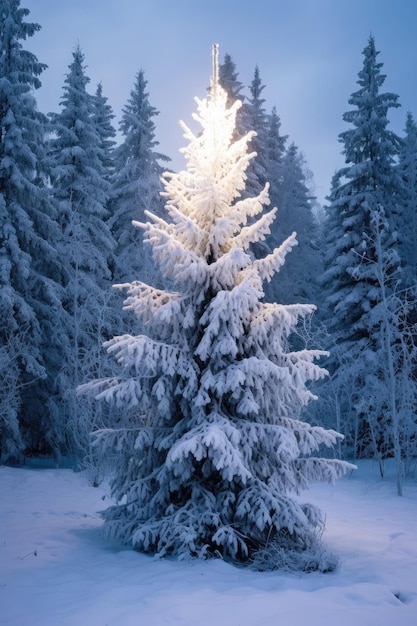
x: 255, y: 232
x: 147, y: 301
x: 271, y: 264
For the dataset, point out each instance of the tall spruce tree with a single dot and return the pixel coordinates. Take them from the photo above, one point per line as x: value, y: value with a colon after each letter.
x: 29, y: 268
x: 210, y: 456
x: 81, y: 191
x: 362, y: 274
x: 368, y: 181
x: 229, y: 80
x: 256, y: 119
x: 136, y: 183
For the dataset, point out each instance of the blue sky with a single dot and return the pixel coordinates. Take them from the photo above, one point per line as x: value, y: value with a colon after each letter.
x: 309, y: 53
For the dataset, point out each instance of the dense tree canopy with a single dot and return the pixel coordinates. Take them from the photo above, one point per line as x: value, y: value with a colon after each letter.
x: 136, y: 184
x: 81, y: 189
x: 29, y: 267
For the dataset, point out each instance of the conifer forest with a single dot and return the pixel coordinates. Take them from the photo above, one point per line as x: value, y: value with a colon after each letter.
x: 212, y: 340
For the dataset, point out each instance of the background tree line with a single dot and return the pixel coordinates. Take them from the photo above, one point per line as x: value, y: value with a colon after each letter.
x: 68, y: 195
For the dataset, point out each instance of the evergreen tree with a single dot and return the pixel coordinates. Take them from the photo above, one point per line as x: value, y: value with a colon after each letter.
x: 362, y: 220
x: 29, y: 268
x: 136, y: 183
x: 81, y: 190
x: 210, y: 454
x: 256, y: 120
x: 229, y: 80
x: 365, y: 184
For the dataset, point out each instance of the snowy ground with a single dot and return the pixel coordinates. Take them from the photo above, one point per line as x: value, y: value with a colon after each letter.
x: 56, y: 570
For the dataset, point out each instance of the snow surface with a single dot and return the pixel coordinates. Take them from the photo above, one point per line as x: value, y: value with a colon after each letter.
x: 57, y: 570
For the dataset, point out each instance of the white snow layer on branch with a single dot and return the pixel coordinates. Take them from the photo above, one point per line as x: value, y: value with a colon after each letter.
x: 225, y: 271
x: 207, y: 222
x: 147, y: 301
x: 216, y: 440
x: 255, y: 232
x: 271, y: 264
x: 273, y: 323
x: 226, y: 319
x: 144, y: 357
x: 121, y: 392
x: 176, y: 261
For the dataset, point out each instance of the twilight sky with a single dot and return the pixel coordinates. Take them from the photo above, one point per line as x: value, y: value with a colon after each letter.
x: 309, y: 53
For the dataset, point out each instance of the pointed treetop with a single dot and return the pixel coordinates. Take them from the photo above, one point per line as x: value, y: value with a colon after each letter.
x: 215, y: 62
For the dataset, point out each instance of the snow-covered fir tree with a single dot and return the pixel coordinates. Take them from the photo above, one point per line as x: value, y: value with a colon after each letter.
x: 367, y: 181
x: 30, y: 310
x: 256, y: 119
x: 81, y: 190
x: 136, y: 184
x: 365, y: 209
x: 229, y: 80
x: 210, y: 457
